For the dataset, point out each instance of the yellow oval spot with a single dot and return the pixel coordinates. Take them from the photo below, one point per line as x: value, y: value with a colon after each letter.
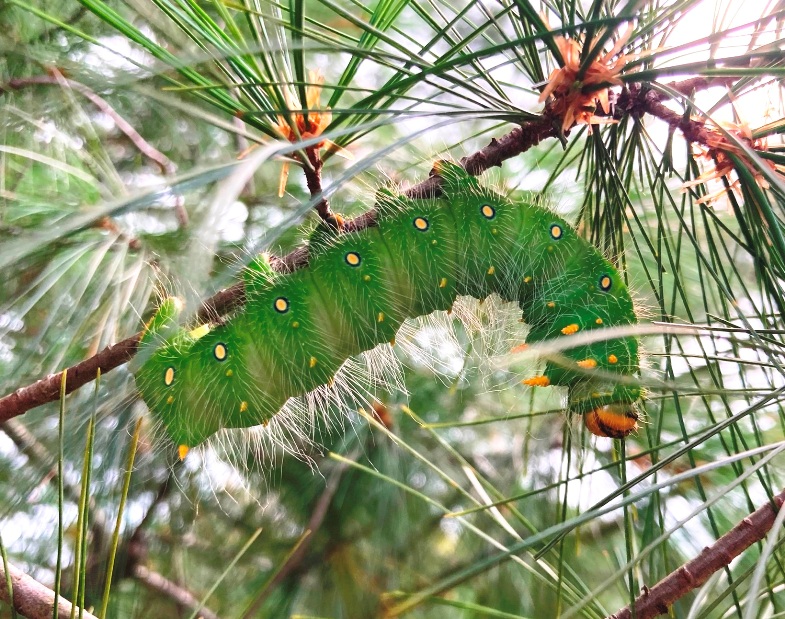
x: 598, y: 321
x: 243, y: 406
x: 488, y: 211
x: 229, y: 373
x: 295, y: 324
x: 556, y: 232
x: 587, y: 364
x: 169, y: 376
x: 281, y: 305
x: 170, y: 399
x: 443, y: 283
x: 434, y: 242
x: 352, y: 259
x: 220, y: 352
x: 366, y: 278
x: 550, y: 248
x: 380, y: 317
x: 421, y: 223
x: 182, y: 451
x: 494, y: 231
x: 537, y: 381
x: 605, y: 282
x: 570, y: 329
x: 527, y: 279
x: 491, y: 270
x: 312, y: 362
x: 613, y: 359
x: 200, y: 331
x: 551, y: 304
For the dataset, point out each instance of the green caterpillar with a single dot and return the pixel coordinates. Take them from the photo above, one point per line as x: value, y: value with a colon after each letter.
x: 297, y: 329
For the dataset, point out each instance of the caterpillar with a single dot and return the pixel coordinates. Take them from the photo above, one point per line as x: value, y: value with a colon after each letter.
x: 297, y: 329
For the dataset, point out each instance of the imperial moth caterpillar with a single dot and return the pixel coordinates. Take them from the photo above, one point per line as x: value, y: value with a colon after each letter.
x: 297, y: 329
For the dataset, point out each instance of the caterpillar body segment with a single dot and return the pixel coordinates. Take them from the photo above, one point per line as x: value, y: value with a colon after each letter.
x: 297, y: 329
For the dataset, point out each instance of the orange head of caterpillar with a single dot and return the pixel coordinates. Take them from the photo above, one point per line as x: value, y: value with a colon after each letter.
x: 612, y: 420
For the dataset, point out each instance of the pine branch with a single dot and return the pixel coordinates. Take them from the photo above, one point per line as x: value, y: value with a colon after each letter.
x: 157, y: 582
x: 34, y: 600
x: 636, y: 100
x: 691, y: 575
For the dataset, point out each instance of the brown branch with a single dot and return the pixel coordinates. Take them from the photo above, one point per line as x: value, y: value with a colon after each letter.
x: 313, y: 178
x: 32, y: 599
x: 691, y: 575
x: 530, y: 133
x: 156, y: 582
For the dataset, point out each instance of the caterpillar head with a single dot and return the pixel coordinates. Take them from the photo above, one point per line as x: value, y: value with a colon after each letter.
x: 612, y: 420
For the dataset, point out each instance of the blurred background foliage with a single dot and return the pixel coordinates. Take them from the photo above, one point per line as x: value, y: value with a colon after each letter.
x: 123, y: 128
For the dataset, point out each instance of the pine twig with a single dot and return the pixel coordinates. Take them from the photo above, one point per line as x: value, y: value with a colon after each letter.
x: 34, y: 600
x: 528, y: 134
x: 56, y: 78
x: 157, y: 582
x: 691, y: 575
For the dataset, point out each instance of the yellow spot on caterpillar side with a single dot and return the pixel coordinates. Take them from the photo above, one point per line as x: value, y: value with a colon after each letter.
x: 281, y: 305
x: 421, y: 223
x: 295, y: 324
x: 598, y: 321
x: 588, y: 364
x: 392, y: 342
x: 519, y: 348
x: 219, y: 351
x: 550, y: 247
x: 200, y: 331
x: 550, y: 304
x: 380, y: 317
x: 169, y: 376
x: 366, y: 278
x: 443, y: 283
x: 243, y: 406
x: 491, y: 270
x: 488, y: 211
x: 312, y: 362
x: 229, y: 373
x: 170, y: 399
x: 494, y: 231
x: 605, y: 282
x: 556, y: 231
x: 613, y: 359
x: 352, y: 259
x: 570, y: 329
x: 527, y: 279
x: 434, y: 242
x: 182, y: 451
x: 537, y: 381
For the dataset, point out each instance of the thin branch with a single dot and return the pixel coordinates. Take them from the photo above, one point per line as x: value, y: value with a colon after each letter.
x: 157, y: 582
x: 165, y: 164
x: 34, y: 600
x: 530, y: 133
x: 691, y: 575
x: 314, y: 523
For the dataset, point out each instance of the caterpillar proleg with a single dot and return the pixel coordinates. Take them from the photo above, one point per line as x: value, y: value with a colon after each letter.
x: 297, y: 329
